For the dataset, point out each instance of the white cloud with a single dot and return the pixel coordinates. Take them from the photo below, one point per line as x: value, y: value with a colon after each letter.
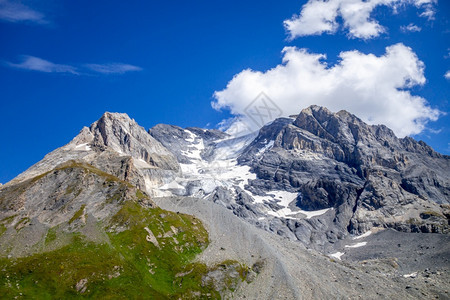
x: 112, y: 68
x: 320, y: 16
x: 410, y: 28
x: 429, y: 10
x: 447, y: 75
x: 375, y: 88
x: 15, y: 11
x: 38, y: 64
x: 33, y: 63
x: 316, y: 17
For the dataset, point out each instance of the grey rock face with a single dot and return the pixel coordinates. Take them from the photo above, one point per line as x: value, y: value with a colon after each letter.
x: 365, y: 173
x: 183, y: 141
x: 174, y: 138
x: 208, y: 134
x: 118, y: 132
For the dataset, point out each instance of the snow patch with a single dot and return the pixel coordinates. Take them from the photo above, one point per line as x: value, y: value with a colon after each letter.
x: 231, y: 148
x: 189, y: 169
x: 337, y: 255
x: 83, y: 147
x: 284, y: 199
x: 172, y: 185
x: 357, y: 245
x: 412, y: 275
x: 194, y: 153
x: 287, y: 213
x: 363, y: 235
x: 314, y: 213
x: 268, y: 146
x: 191, y: 137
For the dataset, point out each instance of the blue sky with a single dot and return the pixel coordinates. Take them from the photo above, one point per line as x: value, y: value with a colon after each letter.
x: 64, y: 63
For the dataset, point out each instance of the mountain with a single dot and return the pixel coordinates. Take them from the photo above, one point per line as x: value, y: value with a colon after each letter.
x: 315, y: 205
x: 364, y: 175
x: 316, y: 178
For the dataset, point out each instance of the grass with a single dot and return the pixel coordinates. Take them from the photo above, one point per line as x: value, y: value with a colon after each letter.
x: 140, y: 195
x: 429, y: 214
x: 55, y: 274
x: 2, y: 229
x: 50, y: 236
x: 129, y: 267
x: 77, y: 214
x: 8, y: 219
x: 4, y: 222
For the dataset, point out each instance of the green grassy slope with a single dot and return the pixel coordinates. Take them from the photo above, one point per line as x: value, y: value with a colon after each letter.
x: 149, y: 256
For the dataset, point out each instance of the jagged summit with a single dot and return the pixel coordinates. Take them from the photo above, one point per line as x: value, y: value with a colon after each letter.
x: 124, y: 135
x: 344, y: 127
x: 116, y: 115
x: 341, y: 126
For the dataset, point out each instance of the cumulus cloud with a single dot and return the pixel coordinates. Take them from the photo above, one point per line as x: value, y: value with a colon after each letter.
x: 447, y: 75
x: 410, y: 28
x: 33, y: 63
x: 15, y: 11
x: 112, y: 68
x: 321, y: 16
x: 375, y: 88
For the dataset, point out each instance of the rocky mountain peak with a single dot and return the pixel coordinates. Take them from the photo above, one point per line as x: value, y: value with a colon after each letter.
x: 112, y: 123
x: 355, y: 136
x: 317, y: 111
x: 340, y: 127
x: 208, y: 134
x: 112, y: 126
x: 116, y: 116
x: 115, y: 143
x: 364, y: 172
x: 122, y: 134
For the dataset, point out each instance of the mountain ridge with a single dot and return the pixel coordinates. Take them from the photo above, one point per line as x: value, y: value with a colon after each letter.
x: 303, y: 189
x: 198, y: 161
